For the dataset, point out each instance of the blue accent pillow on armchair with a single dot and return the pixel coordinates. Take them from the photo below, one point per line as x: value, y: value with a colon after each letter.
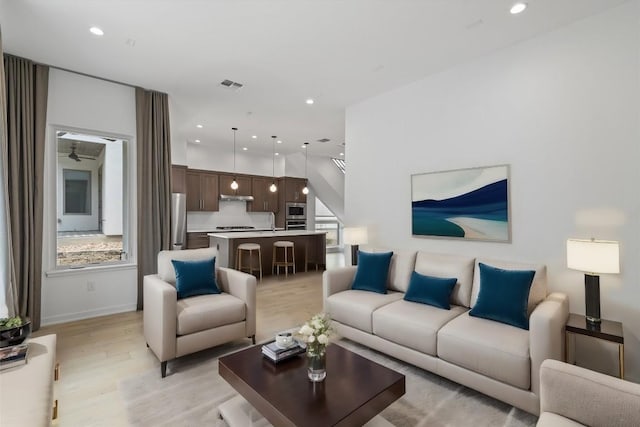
x: 434, y: 291
x: 504, y: 295
x: 372, y: 272
x: 197, y: 277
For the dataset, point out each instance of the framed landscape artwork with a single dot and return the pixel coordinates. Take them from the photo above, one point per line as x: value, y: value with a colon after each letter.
x: 470, y: 204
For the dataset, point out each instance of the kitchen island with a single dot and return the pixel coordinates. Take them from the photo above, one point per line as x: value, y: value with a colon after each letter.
x: 310, y: 247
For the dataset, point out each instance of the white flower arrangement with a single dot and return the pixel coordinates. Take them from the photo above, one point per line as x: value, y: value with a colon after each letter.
x: 316, y: 333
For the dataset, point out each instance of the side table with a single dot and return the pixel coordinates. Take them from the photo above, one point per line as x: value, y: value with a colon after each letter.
x: 607, y: 330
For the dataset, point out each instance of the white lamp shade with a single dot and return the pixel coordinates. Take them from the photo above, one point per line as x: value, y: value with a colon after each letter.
x: 356, y: 235
x: 593, y: 256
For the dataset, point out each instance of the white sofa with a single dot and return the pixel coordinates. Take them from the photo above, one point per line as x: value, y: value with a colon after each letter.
x: 175, y: 327
x: 571, y: 396
x: 496, y: 359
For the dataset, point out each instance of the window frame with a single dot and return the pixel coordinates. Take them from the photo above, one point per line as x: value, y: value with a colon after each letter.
x: 127, y: 260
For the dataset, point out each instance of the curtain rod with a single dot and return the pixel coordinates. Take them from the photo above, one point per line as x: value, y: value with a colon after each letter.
x: 73, y: 71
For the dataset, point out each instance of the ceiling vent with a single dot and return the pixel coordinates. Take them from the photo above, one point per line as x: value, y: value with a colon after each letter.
x: 324, y: 140
x: 231, y: 84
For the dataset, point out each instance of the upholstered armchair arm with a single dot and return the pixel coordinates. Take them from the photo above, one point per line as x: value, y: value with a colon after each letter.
x: 588, y: 397
x: 546, y: 333
x: 241, y: 285
x: 338, y: 280
x: 159, y: 316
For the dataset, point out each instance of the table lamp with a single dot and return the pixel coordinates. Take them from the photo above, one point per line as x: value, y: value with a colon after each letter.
x: 593, y: 257
x: 355, y: 236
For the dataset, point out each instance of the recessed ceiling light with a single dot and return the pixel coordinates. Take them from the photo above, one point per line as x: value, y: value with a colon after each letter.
x: 277, y: 154
x: 279, y: 142
x: 303, y: 146
x: 244, y: 148
x: 96, y: 31
x: 309, y: 101
x: 518, y: 8
x: 199, y: 126
x: 254, y: 136
x: 197, y: 141
x: 342, y: 154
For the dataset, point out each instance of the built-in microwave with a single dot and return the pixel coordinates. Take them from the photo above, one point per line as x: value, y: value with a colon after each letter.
x: 296, y: 211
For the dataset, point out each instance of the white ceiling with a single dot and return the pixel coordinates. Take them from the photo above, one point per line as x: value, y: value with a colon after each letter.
x: 337, y: 52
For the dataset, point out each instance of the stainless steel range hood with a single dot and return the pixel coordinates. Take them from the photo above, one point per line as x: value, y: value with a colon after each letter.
x: 233, y: 198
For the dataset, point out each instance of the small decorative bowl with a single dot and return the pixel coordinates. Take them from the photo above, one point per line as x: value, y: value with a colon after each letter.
x: 15, y: 335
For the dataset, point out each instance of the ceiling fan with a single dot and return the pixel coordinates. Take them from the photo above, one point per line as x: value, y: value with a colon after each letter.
x: 77, y: 158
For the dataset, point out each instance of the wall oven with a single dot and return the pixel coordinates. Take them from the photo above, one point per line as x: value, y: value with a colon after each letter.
x: 296, y: 211
x: 296, y: 224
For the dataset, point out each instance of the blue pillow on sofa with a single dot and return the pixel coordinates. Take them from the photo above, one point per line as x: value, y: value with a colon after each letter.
x: 504, y: 295
x: 372, y: 272
x: 195, y: 277
x: 435, y: 291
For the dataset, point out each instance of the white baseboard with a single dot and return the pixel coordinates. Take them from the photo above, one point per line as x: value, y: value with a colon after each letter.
x: 88, y: 314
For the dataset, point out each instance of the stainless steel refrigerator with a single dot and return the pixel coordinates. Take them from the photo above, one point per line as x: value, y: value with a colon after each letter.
x: 178, y: 221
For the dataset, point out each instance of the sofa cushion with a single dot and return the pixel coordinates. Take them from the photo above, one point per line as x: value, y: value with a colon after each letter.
x: 165, y: 268
x: 208, y: 311
x: 444, y: 265
x: 355, y: 308
x: 538, y: 291
x: 400, y: 268
x: 195, y: 277
x: 504, y: 295
x: 413, y: 325
x: 372, y: 272
x: 430, y: 290
x: 490, y: 348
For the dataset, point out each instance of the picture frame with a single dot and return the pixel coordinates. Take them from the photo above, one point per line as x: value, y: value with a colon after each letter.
x: 466, y: 204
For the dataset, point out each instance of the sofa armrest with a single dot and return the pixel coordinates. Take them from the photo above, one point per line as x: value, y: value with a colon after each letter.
x: 546, y: 333
x: 338, y: 280
x: 159, y: 316
x: 241, y: 285
x: 588, y: 397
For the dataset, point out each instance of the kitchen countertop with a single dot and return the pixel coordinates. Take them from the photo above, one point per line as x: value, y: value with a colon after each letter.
x: 213, y: 230
x: 269, y: 233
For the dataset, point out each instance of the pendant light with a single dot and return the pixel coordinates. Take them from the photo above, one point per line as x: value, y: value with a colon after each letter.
x: 234, y: 183
x: 273, y: 187
x: 305, y: 190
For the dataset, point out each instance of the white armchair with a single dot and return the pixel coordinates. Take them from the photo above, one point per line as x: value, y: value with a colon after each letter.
x: 174, y: 328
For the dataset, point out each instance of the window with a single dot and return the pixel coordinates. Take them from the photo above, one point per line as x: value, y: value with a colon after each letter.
x: 340, y: 163
x: 327, y: 221
x: 91, y: 199
x: 77, y: 192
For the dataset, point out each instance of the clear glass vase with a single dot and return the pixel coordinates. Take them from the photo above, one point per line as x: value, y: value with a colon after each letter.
x: 317, y: 366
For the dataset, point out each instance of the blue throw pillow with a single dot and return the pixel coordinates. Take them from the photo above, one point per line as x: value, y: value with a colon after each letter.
x: 434, y: 291
x: 195, y: 277
x: 504, y: 295
x: 372, y: 272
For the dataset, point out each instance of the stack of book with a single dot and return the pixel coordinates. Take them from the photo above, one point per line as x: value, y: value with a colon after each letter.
x: 276, y: 354
x: 11, y: 356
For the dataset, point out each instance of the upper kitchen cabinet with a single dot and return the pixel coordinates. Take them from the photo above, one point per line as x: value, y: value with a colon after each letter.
x: 202, y: 191
x: 244, y: 185
x: 263, y: 199
x: 293, y: 190
x: 178, y: 179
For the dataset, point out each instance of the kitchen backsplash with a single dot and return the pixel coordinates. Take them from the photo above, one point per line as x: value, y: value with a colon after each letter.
x: 230, y: 213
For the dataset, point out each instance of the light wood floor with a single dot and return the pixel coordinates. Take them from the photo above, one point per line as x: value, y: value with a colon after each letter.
x: 96, y: 354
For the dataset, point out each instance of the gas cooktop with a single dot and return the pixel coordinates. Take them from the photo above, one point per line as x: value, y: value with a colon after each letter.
x: 235, y: 227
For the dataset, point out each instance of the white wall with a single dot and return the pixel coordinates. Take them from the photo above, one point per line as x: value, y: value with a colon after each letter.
x: 213, y: 157
x: 563, y: 109
x: 84, y: 103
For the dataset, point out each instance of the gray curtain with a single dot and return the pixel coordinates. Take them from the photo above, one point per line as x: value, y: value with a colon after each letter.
x: 154, y: 180
x: 26, y: 110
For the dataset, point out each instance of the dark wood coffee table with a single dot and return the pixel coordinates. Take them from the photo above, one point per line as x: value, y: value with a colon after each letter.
x: 355, y: 390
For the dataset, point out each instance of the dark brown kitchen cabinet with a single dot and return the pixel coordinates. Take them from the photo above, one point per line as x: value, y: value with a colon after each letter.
x: 202, y: 191
x: 293, y: 190
x: 263, y: 199
x: 178, y: 179
x: 197, y: 240
x: 244, y: 185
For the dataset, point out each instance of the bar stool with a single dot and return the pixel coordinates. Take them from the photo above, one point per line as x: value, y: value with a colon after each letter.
x: 277, y: 263
x: 250, y: 247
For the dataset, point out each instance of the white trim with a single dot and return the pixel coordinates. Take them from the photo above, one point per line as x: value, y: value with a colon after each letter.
x: 88, y: 314
x: 61, y: 272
